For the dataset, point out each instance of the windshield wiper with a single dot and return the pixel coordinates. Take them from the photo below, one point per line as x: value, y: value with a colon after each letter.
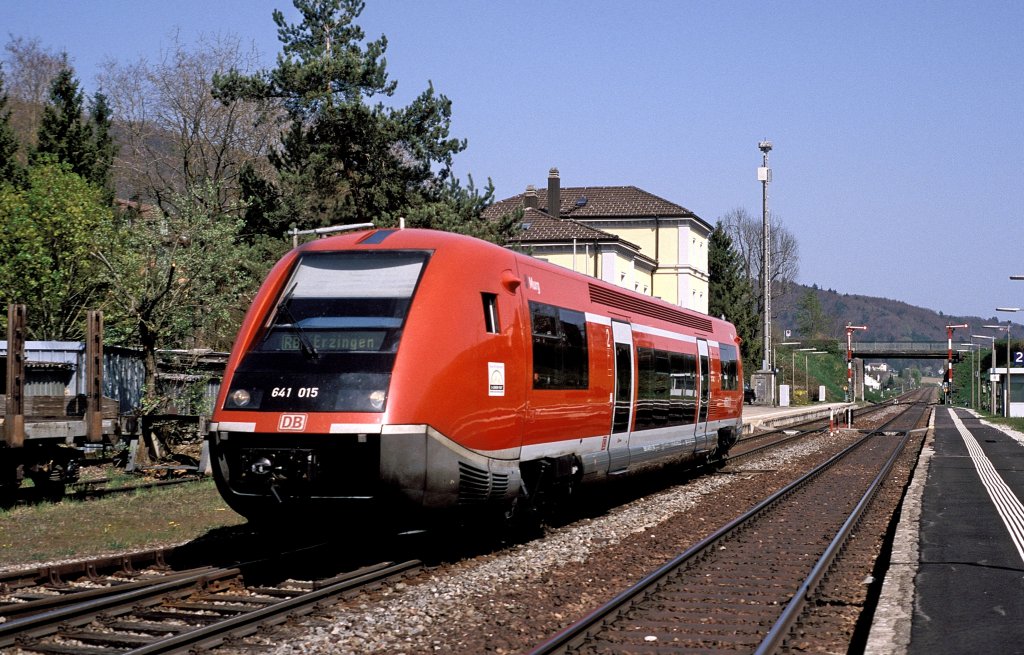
x: 305, y: 345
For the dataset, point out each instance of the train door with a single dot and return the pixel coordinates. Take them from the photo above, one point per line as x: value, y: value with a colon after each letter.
x: 705, y: 395
x: 622, y: 398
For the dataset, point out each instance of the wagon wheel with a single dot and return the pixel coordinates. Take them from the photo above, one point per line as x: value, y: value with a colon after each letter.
x: 9, y: 483
x: 49, y: 485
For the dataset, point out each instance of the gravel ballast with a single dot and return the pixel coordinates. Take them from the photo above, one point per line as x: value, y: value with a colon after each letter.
x: 512, y: 600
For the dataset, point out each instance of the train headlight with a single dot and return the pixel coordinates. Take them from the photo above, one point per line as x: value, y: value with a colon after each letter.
x: 240, y: 397
x: 377, y: 399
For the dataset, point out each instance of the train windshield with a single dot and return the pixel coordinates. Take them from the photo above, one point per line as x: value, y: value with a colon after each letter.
x: 329, y: 344
x: 344, y: 302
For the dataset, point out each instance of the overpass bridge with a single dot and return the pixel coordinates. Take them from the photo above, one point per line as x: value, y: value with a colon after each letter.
x: 901, y: 350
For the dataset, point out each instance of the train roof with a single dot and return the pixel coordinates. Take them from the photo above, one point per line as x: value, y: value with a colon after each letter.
x: 601, y: 292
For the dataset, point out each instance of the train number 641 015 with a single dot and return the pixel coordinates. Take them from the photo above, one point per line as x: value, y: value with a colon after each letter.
x: 301, y: 392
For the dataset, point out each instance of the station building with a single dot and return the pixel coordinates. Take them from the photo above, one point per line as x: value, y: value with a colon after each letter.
x: 619, y: 234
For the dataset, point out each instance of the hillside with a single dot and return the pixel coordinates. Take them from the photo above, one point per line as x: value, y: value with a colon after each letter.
x: 887, y: 320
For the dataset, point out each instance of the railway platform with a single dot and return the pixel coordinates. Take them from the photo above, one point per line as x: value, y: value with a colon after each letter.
x: 761, y: 417
x: 955, y: 583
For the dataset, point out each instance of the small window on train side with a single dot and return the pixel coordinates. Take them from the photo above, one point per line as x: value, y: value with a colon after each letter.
x: 491, y: 313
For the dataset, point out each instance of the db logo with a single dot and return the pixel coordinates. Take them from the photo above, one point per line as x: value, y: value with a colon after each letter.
x: 293, y: 422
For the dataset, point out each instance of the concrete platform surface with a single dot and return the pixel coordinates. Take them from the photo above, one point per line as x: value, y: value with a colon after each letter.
x: 760, y: 416
x: 955, y: 583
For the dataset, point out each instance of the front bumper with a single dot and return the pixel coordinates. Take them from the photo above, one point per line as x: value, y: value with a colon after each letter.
x: 410, y: 465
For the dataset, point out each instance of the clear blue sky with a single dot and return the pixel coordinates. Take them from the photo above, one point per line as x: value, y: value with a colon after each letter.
x: 898, y: 127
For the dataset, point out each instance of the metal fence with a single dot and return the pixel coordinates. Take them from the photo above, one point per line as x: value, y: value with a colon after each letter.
x: 57, y: 368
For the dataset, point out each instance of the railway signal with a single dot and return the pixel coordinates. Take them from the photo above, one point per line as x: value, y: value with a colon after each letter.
x: 849, y: 358
x: 948, y: 387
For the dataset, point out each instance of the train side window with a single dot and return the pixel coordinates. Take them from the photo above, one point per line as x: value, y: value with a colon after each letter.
x: 645, y: 388
x: 684, y: 374
x: 729, y: 367
x: 491, y: 324
x: 662, y: 381
x: 560, y: 358
x: 665, y: 390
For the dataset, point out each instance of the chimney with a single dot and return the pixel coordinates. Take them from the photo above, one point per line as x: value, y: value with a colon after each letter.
x: 554, y: 193
x: 530, y: 199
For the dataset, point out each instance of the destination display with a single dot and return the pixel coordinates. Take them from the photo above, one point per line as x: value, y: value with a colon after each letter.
x: 326, y: 340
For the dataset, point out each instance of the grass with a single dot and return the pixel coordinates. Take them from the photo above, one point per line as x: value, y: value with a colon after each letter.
x: 1015, y: 423
x: 812, y: 371
x: 147, y: 518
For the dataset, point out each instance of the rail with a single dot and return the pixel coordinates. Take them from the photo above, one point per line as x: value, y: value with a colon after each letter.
x: 177, y: 612
x: 681, y: 578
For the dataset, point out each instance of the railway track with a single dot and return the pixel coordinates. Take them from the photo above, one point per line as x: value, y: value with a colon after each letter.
x: 92, y: 489
x: 763, y: 441
x: 744, y: 587
x: 107, y: 606
x: 100, y: 487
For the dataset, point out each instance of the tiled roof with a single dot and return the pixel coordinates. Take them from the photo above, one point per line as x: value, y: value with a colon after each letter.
x: 591, y: 203
x: 538, y: 226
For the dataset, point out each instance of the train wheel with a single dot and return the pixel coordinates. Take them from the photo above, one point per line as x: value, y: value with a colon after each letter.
x: 718, y: 461
x: 523, y: 518
x: 719, y: 456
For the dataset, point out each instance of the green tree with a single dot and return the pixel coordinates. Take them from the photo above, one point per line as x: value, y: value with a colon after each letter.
x: 810, y: 319
x: 48, y: 233
x: 729, y: 292
x: 84, y: 144
x: 179, y: 280
x: 102, y: 146
x: 341, y: 159
x: 11, y: 169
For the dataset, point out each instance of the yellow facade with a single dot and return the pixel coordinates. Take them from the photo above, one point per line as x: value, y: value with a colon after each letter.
x: 682, y: 280
x: 622, y: 235
x: 582, y: 261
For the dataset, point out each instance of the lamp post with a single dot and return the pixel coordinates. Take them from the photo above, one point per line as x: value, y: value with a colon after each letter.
x: 992, y: 387
x: 795, y: 351
x: 791, y: 367
x: 764, y: 175
x: 1009, y: 387
x: 807, y: 375
x: 969, y: 348
x: 975, y: 376
x: 1006, y: 387
x: 849, y: 359
x: 949, y: 361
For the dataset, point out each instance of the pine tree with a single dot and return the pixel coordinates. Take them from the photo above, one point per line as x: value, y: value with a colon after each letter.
x: 64, y: 135
x: 103, y: 148
x: 730, y: 295
x: 61, y: 130
x: 10, y: 169
x: 342, y: 159
x: 810, y: 319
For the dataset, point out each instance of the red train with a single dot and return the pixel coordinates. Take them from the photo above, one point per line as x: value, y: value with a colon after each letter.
x: 391, y: 370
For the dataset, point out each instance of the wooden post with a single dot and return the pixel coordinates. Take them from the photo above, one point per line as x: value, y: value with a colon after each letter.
x: 14, y: 409
x: 94, y: 378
